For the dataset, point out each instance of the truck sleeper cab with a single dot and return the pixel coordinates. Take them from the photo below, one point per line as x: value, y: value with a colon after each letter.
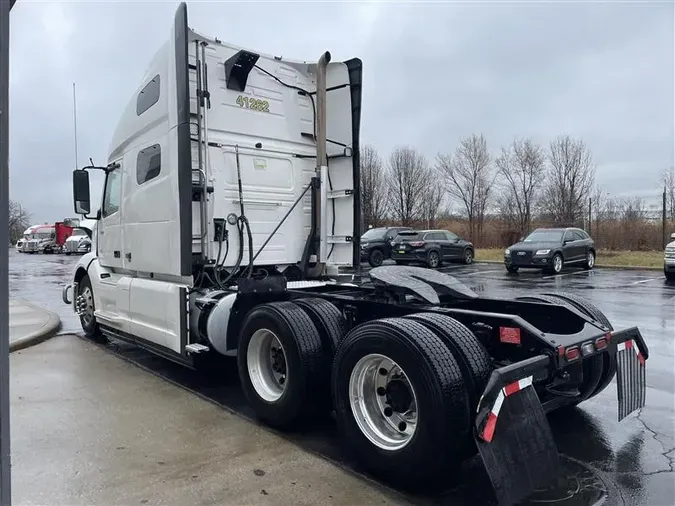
x: 229, y: 206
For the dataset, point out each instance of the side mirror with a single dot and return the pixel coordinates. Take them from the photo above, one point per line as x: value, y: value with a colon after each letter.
x: 81, y: 198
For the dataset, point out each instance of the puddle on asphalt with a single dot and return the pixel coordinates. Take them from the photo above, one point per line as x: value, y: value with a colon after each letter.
x: 578, y: 485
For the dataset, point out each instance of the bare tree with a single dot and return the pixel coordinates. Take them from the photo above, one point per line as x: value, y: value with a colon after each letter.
x: 668, y: 179
x: 373, y: 188
x: 432, y: 198
x: 522, y: 168
x: 19, y: 220
x: 570, y: 177
x: 469, y: 178
x: 408, y: 179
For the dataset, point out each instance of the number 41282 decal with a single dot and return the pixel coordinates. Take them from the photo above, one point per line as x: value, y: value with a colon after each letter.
x: 253, y: 103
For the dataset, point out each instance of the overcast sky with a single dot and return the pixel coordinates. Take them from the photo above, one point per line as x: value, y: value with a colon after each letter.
x: 433, y: 72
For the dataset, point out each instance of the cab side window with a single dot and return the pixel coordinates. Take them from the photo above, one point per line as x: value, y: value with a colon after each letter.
x: 111, y: 197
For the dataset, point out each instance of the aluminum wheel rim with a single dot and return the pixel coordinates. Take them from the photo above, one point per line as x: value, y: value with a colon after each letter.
x: 267, y: 365
x: 557, y: 264
x: 433, y: 259
x: 468, y: 257
x: 385, y: 427
x: 591, y: 259
x: 88, y: 303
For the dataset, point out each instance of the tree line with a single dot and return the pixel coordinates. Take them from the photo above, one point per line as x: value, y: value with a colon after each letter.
x: 19, y: 221
x: 493, y: 199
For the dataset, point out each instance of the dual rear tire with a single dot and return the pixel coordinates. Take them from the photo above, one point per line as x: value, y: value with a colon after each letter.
x: 403, y: 389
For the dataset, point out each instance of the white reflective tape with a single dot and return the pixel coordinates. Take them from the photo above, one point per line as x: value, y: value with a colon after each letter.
x: 635, y: 347
x: 498, y: 403
x: 525, y: 382
x: 621, y: 346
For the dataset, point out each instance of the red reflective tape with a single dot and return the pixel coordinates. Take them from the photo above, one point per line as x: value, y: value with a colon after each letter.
x: 512, y: 388
x: 489, y: 429
x: 641, y: 358
x: 509, y: 335
x: 629, y: 344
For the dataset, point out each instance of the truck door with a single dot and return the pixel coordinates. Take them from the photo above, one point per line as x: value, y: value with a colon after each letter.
x: 109, y: 226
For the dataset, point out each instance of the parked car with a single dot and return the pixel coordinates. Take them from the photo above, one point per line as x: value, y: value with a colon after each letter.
x: 376, y: 244
x: 550, y: 249
x: 669, y: 259
x: 431, y: 247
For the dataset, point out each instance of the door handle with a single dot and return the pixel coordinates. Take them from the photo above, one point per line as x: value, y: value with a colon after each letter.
x: 128, y: 256
x: 116, y: 254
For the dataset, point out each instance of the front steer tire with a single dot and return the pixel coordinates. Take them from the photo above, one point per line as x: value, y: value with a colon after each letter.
x: 307, y: 367
x: 91, y: 329
x: 443, y: 420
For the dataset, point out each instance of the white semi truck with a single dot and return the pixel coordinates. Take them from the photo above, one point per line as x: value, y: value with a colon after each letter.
x: 230, y: 205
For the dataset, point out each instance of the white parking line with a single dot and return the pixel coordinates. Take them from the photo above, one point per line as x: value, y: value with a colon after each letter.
x: 644, y: 281
x: 566, y: 274
x: 480, y: 272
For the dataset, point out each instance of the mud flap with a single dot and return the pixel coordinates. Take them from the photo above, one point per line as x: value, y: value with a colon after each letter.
x: 631, y: 383
x: 514, y: 438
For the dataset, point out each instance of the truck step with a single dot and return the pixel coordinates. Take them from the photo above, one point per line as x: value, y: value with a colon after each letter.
x: 196, y: 348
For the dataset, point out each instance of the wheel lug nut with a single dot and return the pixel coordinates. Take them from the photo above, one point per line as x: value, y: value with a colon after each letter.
x: 383, y: 371
x: 282, y: 380
x: 402, y: 426
x: 381, y: 391
x: 388, y: 411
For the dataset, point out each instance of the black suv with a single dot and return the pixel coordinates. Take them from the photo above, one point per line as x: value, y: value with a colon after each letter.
x: 376, y: 244
x: 431, y: 247
x: 550, y: 249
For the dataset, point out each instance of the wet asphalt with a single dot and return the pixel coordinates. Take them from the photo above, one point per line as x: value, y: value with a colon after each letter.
x: 604, y: 461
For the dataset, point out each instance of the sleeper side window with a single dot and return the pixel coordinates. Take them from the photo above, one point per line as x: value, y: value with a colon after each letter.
x: 148, y: 163
x: 148, y: 96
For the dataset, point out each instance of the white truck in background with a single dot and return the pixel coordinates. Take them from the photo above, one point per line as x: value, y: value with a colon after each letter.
x: 230, y: 204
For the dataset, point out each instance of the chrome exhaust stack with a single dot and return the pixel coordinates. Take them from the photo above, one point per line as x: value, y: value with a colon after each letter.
x: 321, y: 155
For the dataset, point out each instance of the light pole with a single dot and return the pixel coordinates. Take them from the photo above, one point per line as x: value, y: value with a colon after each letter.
x: 5, y: 455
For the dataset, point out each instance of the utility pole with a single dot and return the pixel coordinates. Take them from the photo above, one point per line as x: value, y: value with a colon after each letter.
x: 5, y: 455
x: 664, y: 241
x: 590, y: 223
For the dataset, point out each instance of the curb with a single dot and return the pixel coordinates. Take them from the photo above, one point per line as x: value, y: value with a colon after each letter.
x: 48, y: 330
x: 597, y: 266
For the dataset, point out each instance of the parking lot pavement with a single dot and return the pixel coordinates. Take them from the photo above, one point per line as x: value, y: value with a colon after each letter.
x: 88, y: 428
x: 629, y: 463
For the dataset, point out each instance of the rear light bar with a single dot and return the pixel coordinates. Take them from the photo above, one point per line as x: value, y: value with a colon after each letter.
x: 572, y: 353
x: 601, y: 343
x: 417, y: 244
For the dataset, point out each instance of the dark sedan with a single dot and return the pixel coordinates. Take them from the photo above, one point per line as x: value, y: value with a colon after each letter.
x: 376, y: 244
x: 550, y: 249
x: 431, y: 247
